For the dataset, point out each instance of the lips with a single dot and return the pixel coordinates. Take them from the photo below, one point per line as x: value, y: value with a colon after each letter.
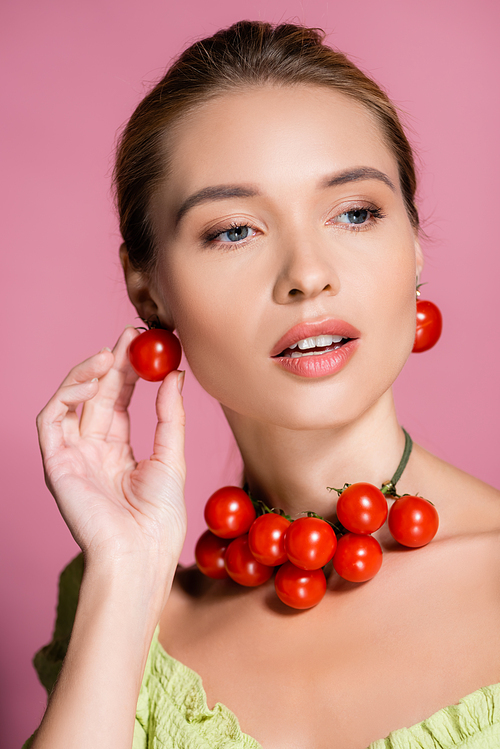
x: 313, y: 329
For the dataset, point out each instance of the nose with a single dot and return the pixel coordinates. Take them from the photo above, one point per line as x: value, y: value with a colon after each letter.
x: 307, y: 270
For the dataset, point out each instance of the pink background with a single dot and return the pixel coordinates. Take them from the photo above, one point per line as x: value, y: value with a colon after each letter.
x: 72, y: 73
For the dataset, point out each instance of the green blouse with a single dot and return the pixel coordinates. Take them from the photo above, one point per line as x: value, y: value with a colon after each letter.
x: 172, y: 710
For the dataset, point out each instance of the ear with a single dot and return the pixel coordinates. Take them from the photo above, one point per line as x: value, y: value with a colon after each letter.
x: 419, y: 258
x: 140, y: 290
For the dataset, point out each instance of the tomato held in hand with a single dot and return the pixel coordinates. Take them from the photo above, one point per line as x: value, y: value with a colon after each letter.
x: 362, y: 508
x: 310, y: 543
x: 209, y: 554
x: 229, y: 512
x: 242, y: 566
x: 266, y: 538
x: 413, y: 521
x: 300, y: 589
x: 358, y: 557
x: 154, y: 354
x: 429, y: 326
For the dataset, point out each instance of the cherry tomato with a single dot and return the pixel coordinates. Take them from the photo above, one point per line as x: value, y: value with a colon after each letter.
x: 266, y: 538
x: 154, y: 354
x: 358, y: 557
x: 300, y: 589
x: 310, y: 543
x: 242, y: 566
x: 429, y: 326
x: 413, y: 521
x: 229, y: 512
x: 362, y: 508
x: 209, y: 554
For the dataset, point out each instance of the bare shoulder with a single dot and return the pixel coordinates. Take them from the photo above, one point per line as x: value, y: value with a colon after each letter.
x: 466, y: 504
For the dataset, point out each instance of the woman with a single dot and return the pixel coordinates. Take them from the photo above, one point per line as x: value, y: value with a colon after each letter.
x: 266, y: 197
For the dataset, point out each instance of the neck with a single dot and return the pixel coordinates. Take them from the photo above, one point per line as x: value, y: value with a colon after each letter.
x: 290, y: 469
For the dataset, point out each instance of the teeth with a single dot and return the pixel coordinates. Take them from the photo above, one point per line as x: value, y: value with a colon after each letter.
x: 324, y: 340
x: 294, y: 345
x: 307, y: 343
x: 297, y: 354
x: 320, y: 340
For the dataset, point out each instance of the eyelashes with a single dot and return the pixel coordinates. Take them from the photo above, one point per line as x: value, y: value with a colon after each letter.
x: 235, y: 228
x: 358, y: 217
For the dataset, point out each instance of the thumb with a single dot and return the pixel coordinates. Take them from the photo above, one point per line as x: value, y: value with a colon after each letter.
x: 168, y: 446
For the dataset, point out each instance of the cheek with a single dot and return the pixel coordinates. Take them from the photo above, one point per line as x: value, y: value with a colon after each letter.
x: 393, y: 306
x: 214, y: 320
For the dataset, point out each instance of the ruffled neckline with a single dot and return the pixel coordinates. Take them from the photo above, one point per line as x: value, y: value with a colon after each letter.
x: 448, y: 728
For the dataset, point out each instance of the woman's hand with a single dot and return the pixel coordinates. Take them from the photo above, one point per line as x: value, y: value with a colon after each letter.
x: 115, y: 508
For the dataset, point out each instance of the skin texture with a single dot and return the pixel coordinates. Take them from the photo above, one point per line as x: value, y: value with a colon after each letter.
x: 370, y: 658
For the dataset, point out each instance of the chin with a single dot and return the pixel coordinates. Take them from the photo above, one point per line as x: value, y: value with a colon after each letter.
x: 330, y: 413
x: 279, y: 398
x: 305, y: 409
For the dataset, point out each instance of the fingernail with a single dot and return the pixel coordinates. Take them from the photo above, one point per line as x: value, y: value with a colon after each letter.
x: 105, y: 349
x: 180, y: 380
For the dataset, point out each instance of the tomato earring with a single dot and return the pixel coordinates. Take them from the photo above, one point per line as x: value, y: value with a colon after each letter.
x: 155, y: 353
x: 429, y: 324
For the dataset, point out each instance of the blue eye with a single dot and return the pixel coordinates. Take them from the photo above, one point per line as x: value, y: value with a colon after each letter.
x: 358, y: 216
x: 234, y: 234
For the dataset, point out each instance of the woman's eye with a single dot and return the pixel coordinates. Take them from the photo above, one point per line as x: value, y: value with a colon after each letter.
x: 356, y: 217
x: 234, y: 234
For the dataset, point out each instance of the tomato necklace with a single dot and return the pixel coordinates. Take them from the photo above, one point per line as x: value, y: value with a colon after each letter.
x: 247, y: 541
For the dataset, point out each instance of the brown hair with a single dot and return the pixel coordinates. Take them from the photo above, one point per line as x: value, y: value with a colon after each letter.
x: 248, y: 53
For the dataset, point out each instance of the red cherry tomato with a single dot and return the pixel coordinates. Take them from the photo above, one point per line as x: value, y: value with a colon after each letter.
x: 362, y: 508
x: 358, y: 557
x: 229, y: 512
x: 310, y: 543
x: 242, y: 566
x: 300, y: 589
x: 266, y: 538
x: 209, y: 554
x: 154, y: 354
x: 413, y: 521
x: 429, y: 326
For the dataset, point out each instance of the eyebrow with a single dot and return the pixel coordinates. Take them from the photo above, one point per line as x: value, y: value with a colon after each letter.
x: 356, y: 175
x: 217, y: 192
x: 222, y: 192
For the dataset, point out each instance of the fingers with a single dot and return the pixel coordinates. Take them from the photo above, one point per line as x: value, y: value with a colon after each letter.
x: 169, y: 435
x: 58, y: 420
x: 105, y: 416
x: 95, y: 366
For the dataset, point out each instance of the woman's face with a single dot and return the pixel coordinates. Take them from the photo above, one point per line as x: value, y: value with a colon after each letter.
x: 283, y: 207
